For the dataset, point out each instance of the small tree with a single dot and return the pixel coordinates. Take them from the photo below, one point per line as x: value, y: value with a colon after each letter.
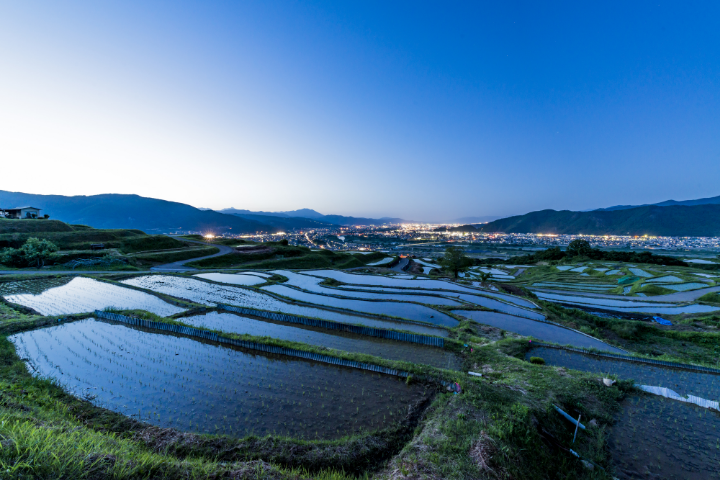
x: 485, y: 276
x: 455, y: 260
x: 33, y: 253
x: 579, y: 248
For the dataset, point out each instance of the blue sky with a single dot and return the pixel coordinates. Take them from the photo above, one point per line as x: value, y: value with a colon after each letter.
x: 422, y: 110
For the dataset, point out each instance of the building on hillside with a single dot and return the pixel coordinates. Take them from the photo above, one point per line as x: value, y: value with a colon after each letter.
x: 20, y: 212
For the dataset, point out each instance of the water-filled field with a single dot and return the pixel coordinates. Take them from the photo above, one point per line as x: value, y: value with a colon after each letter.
x: 33, y: 286
x: 539, y: 330
x: 475, y: 297
x: 211, y: 294
x: 82, y: 295
x: 684, y: 287
x: 409, y: 311
x: 383, y: 261
x: 177, y: 382
x: 234, y: 279
x: 654, y: 437
x: 626, y: 305
x: 684, y: 382
x: 311, y: 284
x: 348, y: 342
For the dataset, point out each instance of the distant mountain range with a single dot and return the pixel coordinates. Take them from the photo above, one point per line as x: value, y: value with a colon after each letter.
x: 668, y: 203
x: 701, y: 220
x: 160, y: 216
x: 307, y: 213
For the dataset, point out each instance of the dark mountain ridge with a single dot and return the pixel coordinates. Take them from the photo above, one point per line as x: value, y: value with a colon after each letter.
x: 675, y: 220
x: 668, y: 203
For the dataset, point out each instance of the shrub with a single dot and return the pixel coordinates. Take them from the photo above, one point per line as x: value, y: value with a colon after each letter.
x: 537, y: 360
x: 34, y: 252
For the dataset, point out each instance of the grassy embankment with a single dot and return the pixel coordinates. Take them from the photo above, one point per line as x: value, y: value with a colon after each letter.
x: 502, y: 424
x: 134, y: 247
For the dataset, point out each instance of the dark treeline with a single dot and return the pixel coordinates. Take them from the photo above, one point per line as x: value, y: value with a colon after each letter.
x: 581, y: 249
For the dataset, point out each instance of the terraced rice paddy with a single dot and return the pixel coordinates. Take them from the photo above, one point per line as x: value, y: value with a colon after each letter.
x: 178, y: 382
x: 655, y: 437
x: 82, y: 295
x: 640, y: 272
x: 311, y: 284
x: 406, y: 352
x: 409, y: 311
x: 626, y: 306
x: 684, y: 382
x: 684, y: 287
x: 212, y: 294
x: 665, y: 279
x: 574, y: 286
x: 384, y: 261
x: 32, y: 286
x: 540, y: 330
x: 436, y: 286
x: 234, y: 279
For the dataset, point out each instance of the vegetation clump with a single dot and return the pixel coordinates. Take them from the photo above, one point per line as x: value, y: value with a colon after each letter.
x: 34, y: 252
x: 537, y: 360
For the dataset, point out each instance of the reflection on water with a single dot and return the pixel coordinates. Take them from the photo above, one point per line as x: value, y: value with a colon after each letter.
x: 178, y: 382
x: 348, y: 342
x: 82, y: 295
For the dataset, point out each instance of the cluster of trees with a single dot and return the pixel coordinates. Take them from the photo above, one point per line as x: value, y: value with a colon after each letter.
x: 34, y: 253
x: 583, y: 249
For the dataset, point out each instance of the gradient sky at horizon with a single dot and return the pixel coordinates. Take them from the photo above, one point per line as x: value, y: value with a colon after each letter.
x: 420, y: 110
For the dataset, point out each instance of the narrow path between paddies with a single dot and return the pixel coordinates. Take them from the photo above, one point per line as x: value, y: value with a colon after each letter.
x: 542, y: 331
x: 180, y: 264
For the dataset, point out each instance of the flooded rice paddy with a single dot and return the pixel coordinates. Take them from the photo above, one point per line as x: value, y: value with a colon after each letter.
x: 470, y: 298
x: 32, y: 286
x: 311, y: 284
x: 626, y: 306
x: 655, y: 437
x: 539, y: 330
x: 684, y: 382
x: 234, y: 279
x: 82, y: 295
x: 348, y: 342
x: 210, y: 294
x: 409, y: 311
x: 177, y: 382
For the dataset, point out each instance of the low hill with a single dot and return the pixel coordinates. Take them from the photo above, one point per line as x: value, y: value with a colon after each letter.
x: 13, y: 233
x: 112, y: 211
x: 691, y: 221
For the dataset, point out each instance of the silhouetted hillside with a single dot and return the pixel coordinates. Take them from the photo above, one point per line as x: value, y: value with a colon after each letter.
x: 691, y: 221
x: 133, y: 212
